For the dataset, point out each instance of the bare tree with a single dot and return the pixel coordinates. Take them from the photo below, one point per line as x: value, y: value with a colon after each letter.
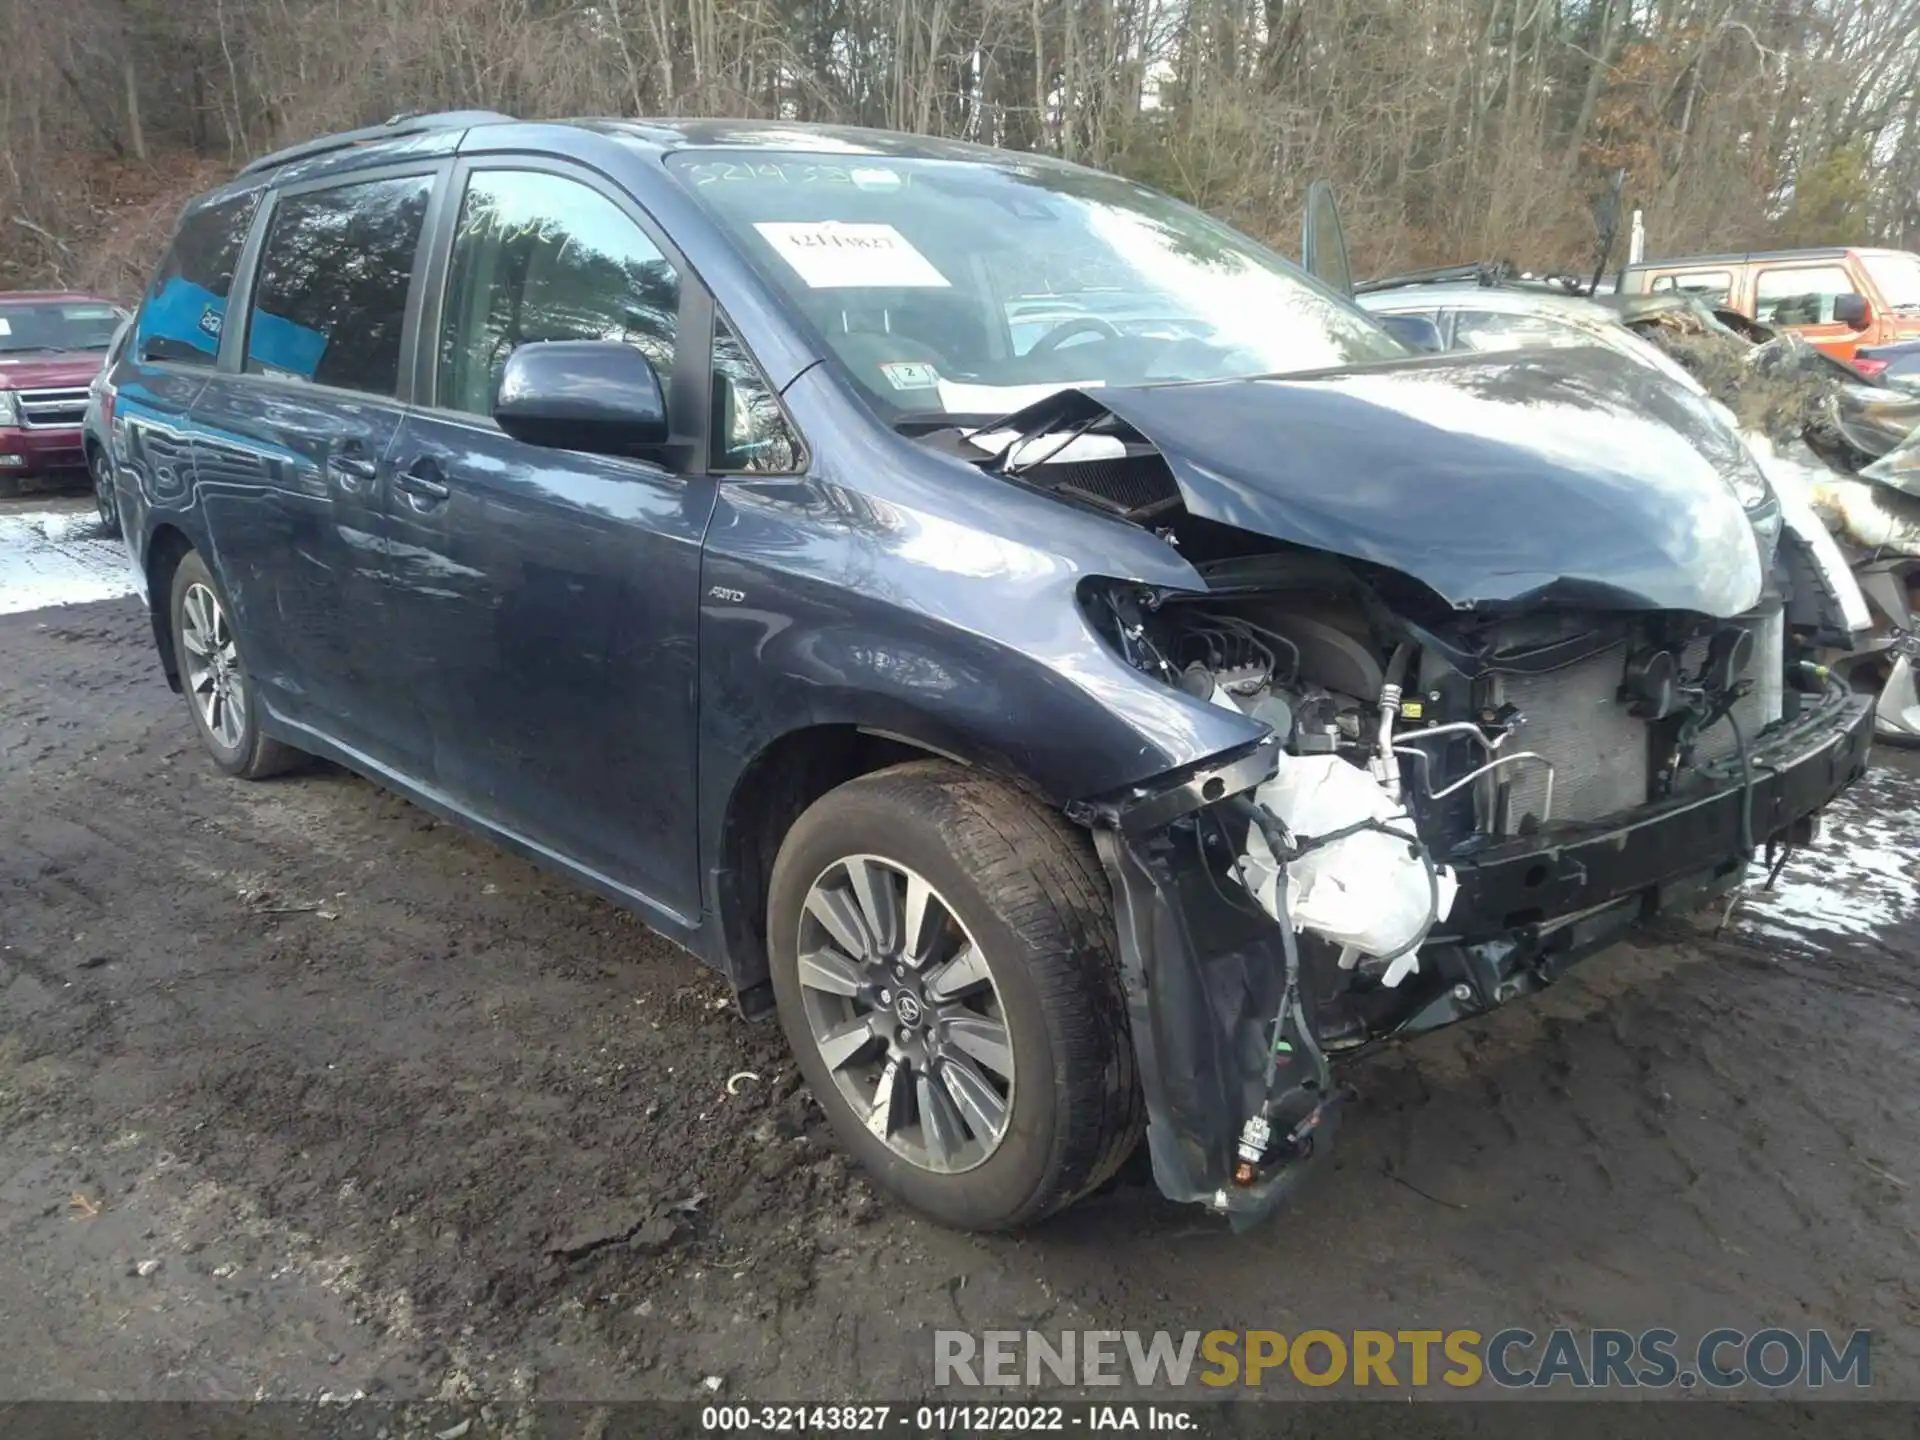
x: 1454, y: 129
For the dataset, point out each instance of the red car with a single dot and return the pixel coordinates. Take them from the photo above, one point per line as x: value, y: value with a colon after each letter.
x: 52, y: 344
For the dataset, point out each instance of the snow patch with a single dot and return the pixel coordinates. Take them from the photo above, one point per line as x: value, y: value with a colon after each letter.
x: 1859, y: 880
x: 58, y: 557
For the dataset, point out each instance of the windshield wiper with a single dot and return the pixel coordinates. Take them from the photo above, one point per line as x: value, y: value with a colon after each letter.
x: 1049, y: 415
x: 964, y: 431
x: 32, y: 350
x: 933, y: 424
x: 966, y: 426
x: 1486, y: 273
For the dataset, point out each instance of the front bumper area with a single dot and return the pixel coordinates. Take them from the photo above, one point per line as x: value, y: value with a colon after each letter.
x: 1797, y: 769
x: 40, y: 450
x: 1222, y: 1025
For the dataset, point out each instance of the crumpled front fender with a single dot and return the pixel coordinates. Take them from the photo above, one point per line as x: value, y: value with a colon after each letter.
x: 1215, y: 993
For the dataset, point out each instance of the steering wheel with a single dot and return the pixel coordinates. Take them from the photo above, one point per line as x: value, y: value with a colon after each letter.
x: 1084, y: 325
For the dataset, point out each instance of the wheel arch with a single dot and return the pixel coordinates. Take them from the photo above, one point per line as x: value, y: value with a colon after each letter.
x: 166, y: 547
x: 775, y: 788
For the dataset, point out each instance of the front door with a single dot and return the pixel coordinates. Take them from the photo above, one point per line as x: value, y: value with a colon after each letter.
x: 546, y: 601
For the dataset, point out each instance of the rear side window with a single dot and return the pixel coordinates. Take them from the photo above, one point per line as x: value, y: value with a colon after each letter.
x: 181, y: 316
x: 331, y: 298
x: 1799, y: 297
x: 1712, y: 286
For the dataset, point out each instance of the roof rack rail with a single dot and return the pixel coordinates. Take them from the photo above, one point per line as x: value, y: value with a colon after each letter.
x: 410, y: 122
x: 1481, y: 272
x: 1487, y: 274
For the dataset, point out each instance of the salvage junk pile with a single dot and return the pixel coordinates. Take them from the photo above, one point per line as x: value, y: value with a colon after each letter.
x: 1846, y: 449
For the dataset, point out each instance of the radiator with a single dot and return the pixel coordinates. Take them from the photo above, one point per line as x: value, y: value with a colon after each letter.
x: 1600, y: 752
x: 1574, y: 719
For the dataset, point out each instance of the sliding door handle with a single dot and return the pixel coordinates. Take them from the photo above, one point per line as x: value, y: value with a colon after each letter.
x: 418, y: 482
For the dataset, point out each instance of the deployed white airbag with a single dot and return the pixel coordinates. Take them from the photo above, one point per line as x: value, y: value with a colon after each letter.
x: 1369, y: 892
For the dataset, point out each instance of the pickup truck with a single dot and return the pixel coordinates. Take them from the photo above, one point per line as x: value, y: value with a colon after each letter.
x: 1840, y: 298
x: 52, y: 344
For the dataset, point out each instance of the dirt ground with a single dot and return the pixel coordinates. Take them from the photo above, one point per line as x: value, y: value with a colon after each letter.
x: 303, y: 1093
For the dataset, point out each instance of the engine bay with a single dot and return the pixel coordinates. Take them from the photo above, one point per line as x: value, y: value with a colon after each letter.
x: 1410, y: 746
x: 1445, y: 825
x: 1480, y: 746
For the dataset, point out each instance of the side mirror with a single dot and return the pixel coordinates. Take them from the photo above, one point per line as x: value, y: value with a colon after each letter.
x: 1853, y: 311
x: 1416, y: 332
x: 594, y: 395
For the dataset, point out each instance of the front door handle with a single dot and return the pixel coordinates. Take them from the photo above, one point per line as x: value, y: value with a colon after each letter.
x: 352, y: 467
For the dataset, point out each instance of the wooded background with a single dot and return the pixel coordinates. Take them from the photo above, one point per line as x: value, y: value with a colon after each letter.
x: 1453, y: 129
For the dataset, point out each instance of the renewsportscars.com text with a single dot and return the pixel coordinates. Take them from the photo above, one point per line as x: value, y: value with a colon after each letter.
x: 1512, y: 1358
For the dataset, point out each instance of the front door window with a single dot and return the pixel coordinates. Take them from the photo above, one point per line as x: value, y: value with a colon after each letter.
x: 543, y: 257
x: 1800, y: 296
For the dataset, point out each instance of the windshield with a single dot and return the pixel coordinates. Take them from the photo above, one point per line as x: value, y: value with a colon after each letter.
x: 58, y: 325
x: 962, y: 288
x: 1898, y: 277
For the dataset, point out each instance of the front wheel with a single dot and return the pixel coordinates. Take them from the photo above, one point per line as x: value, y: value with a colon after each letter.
x: 214, y: 677
x: 943, y: 961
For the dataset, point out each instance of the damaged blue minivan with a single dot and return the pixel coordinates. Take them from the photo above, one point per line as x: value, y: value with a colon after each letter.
x: 1080, y: 672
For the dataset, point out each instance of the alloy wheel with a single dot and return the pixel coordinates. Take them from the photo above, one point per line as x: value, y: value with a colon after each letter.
x: 903, y: 1007
x: 104, y: 500
x: 212, y: 660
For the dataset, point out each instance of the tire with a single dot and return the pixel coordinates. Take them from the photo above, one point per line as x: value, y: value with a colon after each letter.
x: 105, y: 500
x: 232, y: 735
x: 1024, y: 889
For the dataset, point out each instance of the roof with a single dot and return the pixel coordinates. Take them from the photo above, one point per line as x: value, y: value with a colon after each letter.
x: 398, y: 127
x: 668, y: 135
x: 14, y: 297
x: 1509, y: 300
x: 663, y: 136
x: 1742, y: 257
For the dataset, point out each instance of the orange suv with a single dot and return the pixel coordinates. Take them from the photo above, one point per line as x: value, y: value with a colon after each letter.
x: 1840, y: 299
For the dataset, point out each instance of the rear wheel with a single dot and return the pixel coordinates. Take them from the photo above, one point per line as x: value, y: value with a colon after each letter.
x: 214, y: 677
x: 105, y: 501
x: 943, y: 962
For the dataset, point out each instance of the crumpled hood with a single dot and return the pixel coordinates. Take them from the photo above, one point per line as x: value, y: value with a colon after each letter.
x: 1569, y: 477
